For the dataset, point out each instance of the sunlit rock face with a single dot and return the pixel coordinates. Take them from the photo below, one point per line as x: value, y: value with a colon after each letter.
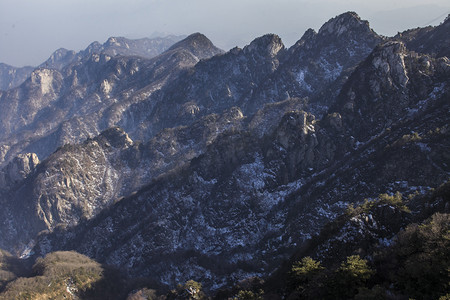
x: 391, y: 85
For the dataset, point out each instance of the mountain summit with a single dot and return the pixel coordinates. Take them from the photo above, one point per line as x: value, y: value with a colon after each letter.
x: 269, y: 44
x: 198, y: 44
x: 346, y: 23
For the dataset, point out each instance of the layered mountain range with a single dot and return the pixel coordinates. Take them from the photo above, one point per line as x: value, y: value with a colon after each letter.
x: 11, y: 77
x: 218, y: 166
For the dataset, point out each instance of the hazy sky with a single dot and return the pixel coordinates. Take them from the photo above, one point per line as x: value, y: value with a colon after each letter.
x: 30, y: 30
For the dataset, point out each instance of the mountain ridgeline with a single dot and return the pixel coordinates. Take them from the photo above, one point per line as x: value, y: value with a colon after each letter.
x: 11, y: 77
x: 173, y: 160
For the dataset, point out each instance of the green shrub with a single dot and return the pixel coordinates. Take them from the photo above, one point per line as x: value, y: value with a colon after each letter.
x: 249, y: 295
x: 56, y: 275
x: 395, y: 200
x: 307, y: 277
x: 351, y: 276
x: 422, y: 252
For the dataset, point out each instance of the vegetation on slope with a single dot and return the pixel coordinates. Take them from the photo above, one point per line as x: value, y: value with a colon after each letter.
x: 380, y: 249
x: 65, y: 275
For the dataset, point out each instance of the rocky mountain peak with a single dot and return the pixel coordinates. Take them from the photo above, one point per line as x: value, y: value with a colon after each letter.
x: 114, y: 41
x: 319, y: 62
x: 198, y: 44
x: 269, y: 44
x: 93, y: 47
x: 198, y: 39
x: 308, y: 36
x: 344, y: 23
x: 59, y: 59
x: 388, y: 59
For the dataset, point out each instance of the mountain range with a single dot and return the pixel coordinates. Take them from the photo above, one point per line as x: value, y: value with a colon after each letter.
x: 11, y: 77
x: 171, y: 159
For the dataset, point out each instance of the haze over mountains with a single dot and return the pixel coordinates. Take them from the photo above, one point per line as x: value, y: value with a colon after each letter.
x: 172, y: 159
x: 11, y: 77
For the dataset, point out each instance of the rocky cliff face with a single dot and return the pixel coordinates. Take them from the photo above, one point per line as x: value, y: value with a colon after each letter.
x: 392, y: 84
x: 231, y: 173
